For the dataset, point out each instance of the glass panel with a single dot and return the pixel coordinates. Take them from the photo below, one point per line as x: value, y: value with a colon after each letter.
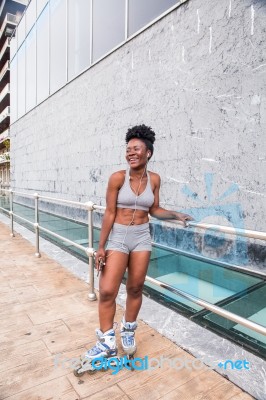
x: 78, y: 36
x: 13, y: 90
x: 142, y: 12
x: 30, y: 16
x: 40, y: 6
x: 21, y: 31
x: 13, y: 46
x: 108, y: 26
x: 57, y: 44
x: 251, y: 306
x: 206, y: 281
x: 21, y: 81
x: 31, y: 69
x: 43, y: 56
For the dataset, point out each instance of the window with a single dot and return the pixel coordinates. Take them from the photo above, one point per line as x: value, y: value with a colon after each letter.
x: 108, y: 25
x: 21, y: 81
x: 31, y: 69
x: 21, y: 31
x: 13, y: 90
x: 58, y: 54
x: 42, y: 25
x: 78, y: 36
x: 40, y: 5
x: 30, y: 16
x: 141, y: 12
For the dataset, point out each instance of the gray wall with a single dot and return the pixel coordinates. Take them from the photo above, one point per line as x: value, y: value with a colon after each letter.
x: 198, y: 77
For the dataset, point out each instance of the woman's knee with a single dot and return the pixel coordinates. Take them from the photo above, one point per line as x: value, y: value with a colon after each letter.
x: 135, y: 291
x: 107, y: 295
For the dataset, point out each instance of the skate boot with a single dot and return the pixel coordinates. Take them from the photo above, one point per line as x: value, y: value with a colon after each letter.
x: 128, y: 341
x: 105, y: 347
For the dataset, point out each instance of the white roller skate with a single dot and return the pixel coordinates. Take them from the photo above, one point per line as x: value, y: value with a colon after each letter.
x: 128, y: 341
x: 105, y: 347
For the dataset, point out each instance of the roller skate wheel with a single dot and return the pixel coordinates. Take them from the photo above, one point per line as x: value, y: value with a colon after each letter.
x: 77, y: 373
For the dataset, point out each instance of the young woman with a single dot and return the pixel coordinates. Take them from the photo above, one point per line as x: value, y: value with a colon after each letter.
x: 132, y: 194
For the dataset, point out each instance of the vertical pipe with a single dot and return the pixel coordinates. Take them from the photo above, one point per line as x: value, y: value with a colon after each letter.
x: 11, y: 212
x: 36, y: 225
x: 92, y: 295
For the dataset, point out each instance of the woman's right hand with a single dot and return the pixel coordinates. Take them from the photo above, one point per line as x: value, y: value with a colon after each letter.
x: 100, y: 259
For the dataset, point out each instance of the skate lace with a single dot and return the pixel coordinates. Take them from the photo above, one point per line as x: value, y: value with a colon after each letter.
x: 96, y: 349
x: 128, y: 338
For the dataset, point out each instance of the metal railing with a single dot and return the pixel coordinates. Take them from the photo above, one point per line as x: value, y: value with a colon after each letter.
x: 5, y: 91
x: 5, y: 46
x: 5, y: 68
x: 90, y: 251
x: 4, y: 157
x: 9, y: 18
x: 5, y: 113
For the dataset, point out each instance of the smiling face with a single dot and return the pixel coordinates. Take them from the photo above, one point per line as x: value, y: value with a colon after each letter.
x: 136, y: 153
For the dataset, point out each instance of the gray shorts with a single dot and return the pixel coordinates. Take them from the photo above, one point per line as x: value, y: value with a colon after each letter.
x: 130, y: 238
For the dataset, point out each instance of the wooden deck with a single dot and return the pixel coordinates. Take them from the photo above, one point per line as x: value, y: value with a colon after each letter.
x: 45, y: 319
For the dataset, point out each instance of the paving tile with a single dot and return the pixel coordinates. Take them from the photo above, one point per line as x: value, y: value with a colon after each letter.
x: 206, y: 386
x: 26, y: 334
x: 112, y: 393
x: 32, y: 374
x: 18, y: 355
x: 47, y: 322
x: 57, y: 389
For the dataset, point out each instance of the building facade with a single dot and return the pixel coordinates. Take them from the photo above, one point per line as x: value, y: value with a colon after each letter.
x: 10, y: 14
x: 84, y: 71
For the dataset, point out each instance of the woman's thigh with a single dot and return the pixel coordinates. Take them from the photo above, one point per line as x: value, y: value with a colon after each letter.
x: 137, y: 268
x: 113, y: 271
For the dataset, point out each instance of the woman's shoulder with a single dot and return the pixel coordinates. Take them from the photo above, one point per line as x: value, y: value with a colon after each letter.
x: 118, y: 177
x: 154, y: 176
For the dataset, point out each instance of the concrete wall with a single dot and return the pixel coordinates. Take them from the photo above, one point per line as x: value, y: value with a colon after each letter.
x: 198, y: 78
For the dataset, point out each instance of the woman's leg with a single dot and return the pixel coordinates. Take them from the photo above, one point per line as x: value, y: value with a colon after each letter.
x: 137, y: 270
x: 110, y: 280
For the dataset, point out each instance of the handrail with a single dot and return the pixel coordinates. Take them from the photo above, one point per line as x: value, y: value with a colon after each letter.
x: 220, y: 228
x: 217, y: 310
x: 90, y: 251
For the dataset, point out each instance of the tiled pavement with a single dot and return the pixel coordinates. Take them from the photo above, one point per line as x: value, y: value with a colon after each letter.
x: 46, y: 318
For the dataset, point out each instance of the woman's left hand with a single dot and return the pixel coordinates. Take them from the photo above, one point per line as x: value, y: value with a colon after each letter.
x: 183, y: 218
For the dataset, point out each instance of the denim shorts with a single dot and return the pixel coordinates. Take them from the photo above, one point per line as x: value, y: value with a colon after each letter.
x: 130, y: 238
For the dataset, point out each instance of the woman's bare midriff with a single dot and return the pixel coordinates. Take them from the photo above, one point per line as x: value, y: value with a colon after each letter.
x: 124, y: 216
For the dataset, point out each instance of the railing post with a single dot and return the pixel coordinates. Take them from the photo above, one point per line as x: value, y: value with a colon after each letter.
x: 11, y: 212
x: 90, y: 252
x: 36, y: 225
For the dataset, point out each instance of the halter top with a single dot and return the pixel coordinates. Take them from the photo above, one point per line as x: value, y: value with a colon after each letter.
x: 128, y: 199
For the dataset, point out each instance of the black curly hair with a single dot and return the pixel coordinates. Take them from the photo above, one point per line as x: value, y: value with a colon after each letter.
x: 144, y: 133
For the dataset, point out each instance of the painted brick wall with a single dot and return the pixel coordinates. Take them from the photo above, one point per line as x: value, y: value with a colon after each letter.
x: 198, y: 77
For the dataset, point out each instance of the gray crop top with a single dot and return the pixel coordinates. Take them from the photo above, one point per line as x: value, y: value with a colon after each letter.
x: 127, y: 198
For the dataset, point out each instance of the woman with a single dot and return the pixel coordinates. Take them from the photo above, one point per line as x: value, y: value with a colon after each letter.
x: 131, y: 196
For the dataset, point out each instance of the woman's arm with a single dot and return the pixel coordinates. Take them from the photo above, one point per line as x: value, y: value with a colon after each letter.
x: 109, y: 215
x: 161, y: 213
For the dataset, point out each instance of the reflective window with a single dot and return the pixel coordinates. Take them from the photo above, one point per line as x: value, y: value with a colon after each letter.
x: 78, y: 36
x: 30, y: 16
x: 108, y: 25
x: 43, y: 55
x: 13, y: 90
x: 40, y: 5
x: 58, y: 65
x: 141, y: 12
x: 21, y: 81
x: 21, y: 31
x: 31, y: 69
x: 13, y: 46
